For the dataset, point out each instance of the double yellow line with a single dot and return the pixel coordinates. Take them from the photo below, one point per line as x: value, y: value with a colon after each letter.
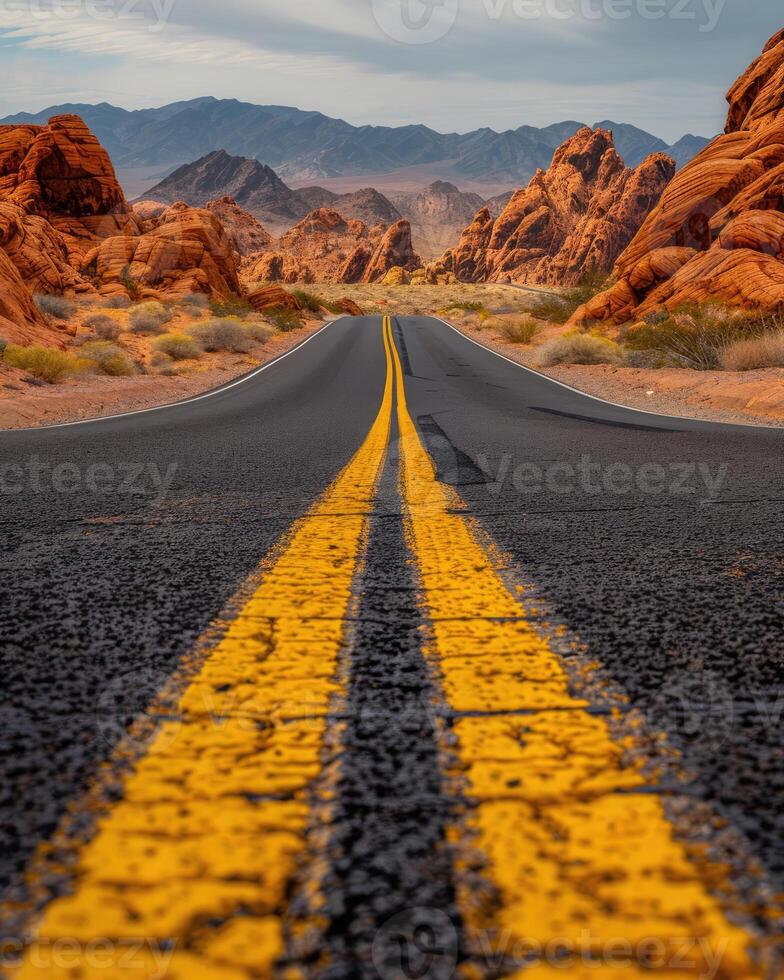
x: 199, y: 855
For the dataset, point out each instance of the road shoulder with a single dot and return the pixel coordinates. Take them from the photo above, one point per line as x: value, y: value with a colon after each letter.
x: 23, y: 405
x: 745, y: 398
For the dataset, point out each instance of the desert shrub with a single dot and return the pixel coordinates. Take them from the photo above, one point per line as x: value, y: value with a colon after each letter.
x: 553, y: 308
x: 284, y: 319
x: 3, y: 344
x: 518, y: 331
x: 232, y: 306
x: 149, y: 317
x: 464, y: 307
x: 57, y: 307
x: 130, y: 283
x: 309, y: 301
x: 108, y: 358
x: 695, y: 336
x: 221, y: 334
x: 119, y: 302
x: 197, y: 301
x: 750, y: 355
x: 103, y: 326
x: 159, y: 359
x: 560, y: 308
x: 47, y: 363
x: 259, y: 330
x: 178, y: 346
x: 580, y: 348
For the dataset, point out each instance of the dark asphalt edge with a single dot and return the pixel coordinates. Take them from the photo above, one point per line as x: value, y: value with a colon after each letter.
x: 699, y: 423
x: 226, y: 386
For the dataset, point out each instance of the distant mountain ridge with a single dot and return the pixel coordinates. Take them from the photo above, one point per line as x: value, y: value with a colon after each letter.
x: 259, y: 190
x: 308, y: 146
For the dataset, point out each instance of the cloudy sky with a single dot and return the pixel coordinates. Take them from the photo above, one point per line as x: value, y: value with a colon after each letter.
x: 452, y: 64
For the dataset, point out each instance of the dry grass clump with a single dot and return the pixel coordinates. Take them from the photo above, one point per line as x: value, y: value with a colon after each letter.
x: 48, y: 364
x: 103, y: 326
x: 754, y: 354
x: 695, y: 336
x: 178, y: 346
x: 149, y: 317
x: 108, y: 358
x: 221, y: 334
x: 580, y: 348
x: 518, y: 331
x: 260, y: 330
x: 56, y: 307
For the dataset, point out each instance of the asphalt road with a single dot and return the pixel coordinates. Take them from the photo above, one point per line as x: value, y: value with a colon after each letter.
x: 648, y: 550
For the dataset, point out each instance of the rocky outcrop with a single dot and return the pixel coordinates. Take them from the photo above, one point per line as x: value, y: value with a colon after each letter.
x: 39, y: 252
x: 273, y: 297
x: 66, y: 227
x: 717, y: 234
x: 188, y: 251
x: 20, y: 320
x: 60, y: 172
x: 394, y: 249
x: 323, y: 247
x: 573, y: 219
x: 246, y: 233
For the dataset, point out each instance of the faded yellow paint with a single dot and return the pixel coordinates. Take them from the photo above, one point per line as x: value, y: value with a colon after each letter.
x: 586, y: 876
x: 211, y: 829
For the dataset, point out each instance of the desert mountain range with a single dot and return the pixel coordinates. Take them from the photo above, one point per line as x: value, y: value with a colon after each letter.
x: 304, y: 147
x: 437, y: 213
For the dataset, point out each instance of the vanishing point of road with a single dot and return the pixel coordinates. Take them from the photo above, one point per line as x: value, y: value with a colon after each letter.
x: 392, y: 660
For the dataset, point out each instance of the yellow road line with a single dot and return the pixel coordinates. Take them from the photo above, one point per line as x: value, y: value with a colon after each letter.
x: 211, y: 828
x: 583, y: 863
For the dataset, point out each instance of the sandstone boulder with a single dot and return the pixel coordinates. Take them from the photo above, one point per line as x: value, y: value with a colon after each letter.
x: 273, y: 297
x: 188, y: 251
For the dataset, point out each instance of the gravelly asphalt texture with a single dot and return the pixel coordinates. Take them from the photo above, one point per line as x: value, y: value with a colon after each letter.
x: 657, y: 541
x: 679, y: 593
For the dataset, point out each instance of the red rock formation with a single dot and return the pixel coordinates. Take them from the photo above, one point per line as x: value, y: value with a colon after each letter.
x: 20, y: 320
x: 572, y: 219
x: 247, y: 234
x: 273, y: 297
x: 39, y: 252
x: 394, y: 250
x: 717, y: 234
x: 315, y: 249
x: 62, y: 173
x: 65, y: 226
x: 187, y: 251
x: 348, y: 307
